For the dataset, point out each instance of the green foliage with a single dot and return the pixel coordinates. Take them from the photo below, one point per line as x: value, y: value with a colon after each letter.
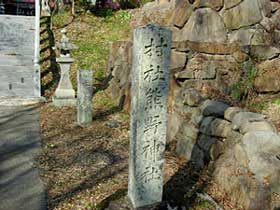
x: 104, y: 12
x: 277, y: 102
x: 244, y: 86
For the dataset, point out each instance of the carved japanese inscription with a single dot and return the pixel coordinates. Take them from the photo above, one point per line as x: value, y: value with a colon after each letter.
x: 150, y: 86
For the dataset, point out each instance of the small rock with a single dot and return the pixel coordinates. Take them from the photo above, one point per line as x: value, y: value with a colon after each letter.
x: 178, y: 60
x: 191, y: 97
x: 230, y: 112
x: 219, y: 128
x: 213, y: 108
x: 113, y: 124
x: 188, y: 130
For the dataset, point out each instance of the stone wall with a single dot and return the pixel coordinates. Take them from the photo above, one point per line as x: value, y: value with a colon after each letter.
x: 215, y: 45
x: 239, y: 148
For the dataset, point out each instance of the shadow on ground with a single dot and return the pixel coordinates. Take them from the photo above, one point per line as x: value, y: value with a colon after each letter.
x: 20, y: 186
x: 49, y: 67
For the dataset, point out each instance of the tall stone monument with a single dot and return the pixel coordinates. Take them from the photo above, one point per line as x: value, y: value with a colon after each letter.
x: 84, y: 97
x: 65, y: 94
x: 150, y: 86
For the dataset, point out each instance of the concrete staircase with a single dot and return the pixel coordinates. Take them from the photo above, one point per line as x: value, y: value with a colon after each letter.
x: 17, y: 34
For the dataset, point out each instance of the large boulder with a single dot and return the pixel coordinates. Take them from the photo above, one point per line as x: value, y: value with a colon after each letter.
x: 204, y: 25
x: 263, y: 152
x: 233, y: 176
x: 244, y: 14
x: 153, y: 12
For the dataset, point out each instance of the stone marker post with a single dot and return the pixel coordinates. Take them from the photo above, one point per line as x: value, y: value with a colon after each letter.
x: 150, y: 86
x: 84, y: 97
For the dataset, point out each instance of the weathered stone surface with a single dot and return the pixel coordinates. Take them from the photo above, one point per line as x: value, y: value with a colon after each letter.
x: 267, y: 24
x: 84, y: 97
x: 188, y: 129
x: 275, y: 6
x: 150, y: 86
x: 261, y: 37
x: 262, y: 149
x: 205, y: 142
x: 275, y: 19
x: 184, y: 147
x: 230, y: 112
x: 240, y: 56
x: 197, y: 157
x: 220, y: 128
x: 242, y: 118
x: 244, y: 14
x: 205, y: 25
x: 257, y: 126
x: 265, y: 7
x: 208, y: 67
x: 267, y: 79
x: 183, y: 11
x: 185, y: 75
x: 213, y: 108
x: 153, y: 12
x: 242, y: 36
x: 173, y: 125
x: 214, y: 4
x: 192, y: 113
x: 264, y: 52
x: 206, y: 47
x: 191, y: 97
x: 178, y: 60
x: 233, y: 177
x: 231, y: 3
x: 119, y: 65
x: 211, y: 147
x: 120, y: 52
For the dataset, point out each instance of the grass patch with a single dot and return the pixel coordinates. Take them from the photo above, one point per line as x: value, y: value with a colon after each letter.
x: 92, y: 34
x: 244, y: 86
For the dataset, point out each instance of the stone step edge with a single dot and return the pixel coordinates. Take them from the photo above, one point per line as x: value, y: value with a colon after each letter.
x: 20, y: 101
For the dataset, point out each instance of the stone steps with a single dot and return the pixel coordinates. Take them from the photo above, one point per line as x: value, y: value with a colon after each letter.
x: 16, y: 60
x: 17, y: 40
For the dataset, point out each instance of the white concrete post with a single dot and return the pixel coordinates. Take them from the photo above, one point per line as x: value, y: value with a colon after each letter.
x: 37, y: 73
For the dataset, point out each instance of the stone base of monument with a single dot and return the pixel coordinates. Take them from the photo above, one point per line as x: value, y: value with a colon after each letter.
x: 64, y: 102
x: 124, y: 204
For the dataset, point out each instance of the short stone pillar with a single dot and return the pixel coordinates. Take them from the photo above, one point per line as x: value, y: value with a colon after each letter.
x: 150, y: 86
x: 84, y: 97
x: 65, y: 94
